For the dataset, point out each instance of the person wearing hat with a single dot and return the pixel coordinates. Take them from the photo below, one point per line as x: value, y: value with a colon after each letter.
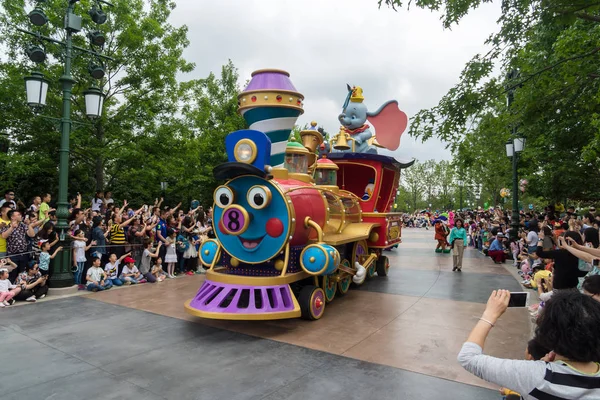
x: 130, y: 274
x: 496, y: 250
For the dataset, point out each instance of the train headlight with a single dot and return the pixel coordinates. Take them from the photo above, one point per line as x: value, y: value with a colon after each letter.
x: 245, y: 151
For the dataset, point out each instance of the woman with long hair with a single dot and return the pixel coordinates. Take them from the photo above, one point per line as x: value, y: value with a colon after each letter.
x: 458, y: 241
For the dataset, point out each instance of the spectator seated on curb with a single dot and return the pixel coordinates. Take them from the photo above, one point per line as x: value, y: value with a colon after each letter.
x: 96, y: 277
x: 112, y: 268
x: 33, y: 285
x: 130, y: 274
x: 157, y: 271
x: 7, y: 289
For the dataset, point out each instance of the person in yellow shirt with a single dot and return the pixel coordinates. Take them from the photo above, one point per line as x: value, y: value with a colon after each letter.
x: 4, y: 220
x: 45, y: 208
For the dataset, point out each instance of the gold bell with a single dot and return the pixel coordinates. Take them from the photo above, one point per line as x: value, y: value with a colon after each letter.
x: 341, y: 140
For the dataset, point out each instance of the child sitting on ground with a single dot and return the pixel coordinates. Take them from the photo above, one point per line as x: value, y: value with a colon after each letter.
x: 131, y: 274
x: 112, y: 268
x: 7, y: 289
x: 45, y: 257
x: 96, y: 277
x: 157, y: 270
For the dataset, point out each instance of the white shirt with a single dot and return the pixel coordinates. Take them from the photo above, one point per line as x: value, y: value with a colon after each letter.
x: 5, y: 285
x: 79, y: 246
x: 532, y: 238
x: 95, y: 273
x: 111, y: 270
x: 126, y: 270
x: 96, y: 204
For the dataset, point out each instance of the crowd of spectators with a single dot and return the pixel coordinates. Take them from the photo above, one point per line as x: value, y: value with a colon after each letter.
x: 111, y: 244
x: 558, y: 256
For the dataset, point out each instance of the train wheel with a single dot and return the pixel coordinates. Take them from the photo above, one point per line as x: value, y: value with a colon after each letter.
x: 382, y: 266
x: 329, y: 287
x: 345, y: 281
x: 312, y: 302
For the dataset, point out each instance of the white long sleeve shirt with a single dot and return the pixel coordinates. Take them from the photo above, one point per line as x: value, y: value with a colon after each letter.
x: 5, y: 285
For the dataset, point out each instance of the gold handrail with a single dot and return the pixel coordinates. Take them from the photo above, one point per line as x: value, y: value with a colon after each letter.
x: 309, y: 222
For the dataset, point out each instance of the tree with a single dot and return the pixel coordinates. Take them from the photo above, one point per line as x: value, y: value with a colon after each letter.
x: 554, y: 46
x: 412, y: 182
x: 153, y: 128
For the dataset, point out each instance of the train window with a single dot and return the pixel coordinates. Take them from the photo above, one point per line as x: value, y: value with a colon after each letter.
x: 326, y: 177
x: 296, y: 163
x: 386, y: 192
x: 356, y: 178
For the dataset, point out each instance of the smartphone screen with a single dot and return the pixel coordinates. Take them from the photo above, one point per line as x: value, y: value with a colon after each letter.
x: 518, y: 299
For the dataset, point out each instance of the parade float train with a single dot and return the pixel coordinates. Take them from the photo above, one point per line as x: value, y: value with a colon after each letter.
x: 293, y: 232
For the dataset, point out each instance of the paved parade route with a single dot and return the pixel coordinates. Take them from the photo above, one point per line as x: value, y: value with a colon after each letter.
x: 395, y: 337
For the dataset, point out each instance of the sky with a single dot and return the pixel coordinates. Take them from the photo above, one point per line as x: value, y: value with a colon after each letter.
x: 325, y: 44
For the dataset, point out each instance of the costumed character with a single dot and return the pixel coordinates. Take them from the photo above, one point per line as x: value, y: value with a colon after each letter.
x: 451, y: 219
x: 369, y: 190
x: 389, y: 123
x: 441, y: 234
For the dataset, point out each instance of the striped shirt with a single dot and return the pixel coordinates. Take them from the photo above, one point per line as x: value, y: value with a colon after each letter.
x: 535, y: 380
x: 117, y: 234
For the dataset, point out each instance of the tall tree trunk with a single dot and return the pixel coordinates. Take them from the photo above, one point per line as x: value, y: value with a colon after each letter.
x: 99, y: 174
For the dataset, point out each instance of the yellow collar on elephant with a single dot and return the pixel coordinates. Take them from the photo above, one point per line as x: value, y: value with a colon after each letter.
x: 357, y: 130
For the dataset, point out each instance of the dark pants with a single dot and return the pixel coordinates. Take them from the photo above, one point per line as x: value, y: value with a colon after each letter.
x: 21, y: 261
x: 163, y: 252
x: 497, y: 255
x: 37, y: 291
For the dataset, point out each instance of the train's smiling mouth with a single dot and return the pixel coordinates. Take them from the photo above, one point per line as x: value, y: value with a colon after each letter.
x: 250, y: 244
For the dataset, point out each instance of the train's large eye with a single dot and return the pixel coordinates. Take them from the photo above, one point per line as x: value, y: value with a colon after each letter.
x: 223, y: 196
x: 259, y: 197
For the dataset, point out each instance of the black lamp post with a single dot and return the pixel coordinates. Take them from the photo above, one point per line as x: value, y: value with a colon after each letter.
x: 513, y: 148
x: 163, y: 189
x: 37, y: 88
x: 460, y: 183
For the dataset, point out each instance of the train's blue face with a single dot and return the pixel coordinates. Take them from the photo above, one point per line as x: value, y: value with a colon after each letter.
x: 252, y: 219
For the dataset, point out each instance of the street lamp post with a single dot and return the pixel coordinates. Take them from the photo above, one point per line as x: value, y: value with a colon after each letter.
x: 163, y: 189
x: 37, y: 87
x: 460, y: 185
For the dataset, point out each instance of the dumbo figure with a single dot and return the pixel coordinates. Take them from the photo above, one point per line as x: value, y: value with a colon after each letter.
x: 389, y: 123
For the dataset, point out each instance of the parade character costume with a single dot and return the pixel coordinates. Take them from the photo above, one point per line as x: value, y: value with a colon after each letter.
x: 440, y: 236
x: 388, y: 121
x: 451, y: 219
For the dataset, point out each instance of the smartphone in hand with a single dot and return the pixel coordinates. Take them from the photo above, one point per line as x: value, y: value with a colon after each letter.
x: 518, y: 299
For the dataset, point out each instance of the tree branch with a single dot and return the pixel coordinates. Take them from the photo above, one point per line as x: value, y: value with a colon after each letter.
x: 587, y: 17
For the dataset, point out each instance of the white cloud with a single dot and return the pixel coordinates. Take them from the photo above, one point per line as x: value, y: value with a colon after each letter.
x: 404, y: 55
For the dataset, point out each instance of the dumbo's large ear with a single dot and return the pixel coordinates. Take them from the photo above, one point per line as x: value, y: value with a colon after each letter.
x: 349, y: 87
x: 389, y: 123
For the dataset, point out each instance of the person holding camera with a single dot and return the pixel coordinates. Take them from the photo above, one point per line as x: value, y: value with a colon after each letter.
x: 568, y: 326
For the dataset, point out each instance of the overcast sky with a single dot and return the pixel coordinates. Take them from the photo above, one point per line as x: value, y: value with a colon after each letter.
x: 324, y: 44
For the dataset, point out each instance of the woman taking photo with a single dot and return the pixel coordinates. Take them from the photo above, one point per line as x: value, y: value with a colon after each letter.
x: 569, y: 325
x: 458, y: 239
